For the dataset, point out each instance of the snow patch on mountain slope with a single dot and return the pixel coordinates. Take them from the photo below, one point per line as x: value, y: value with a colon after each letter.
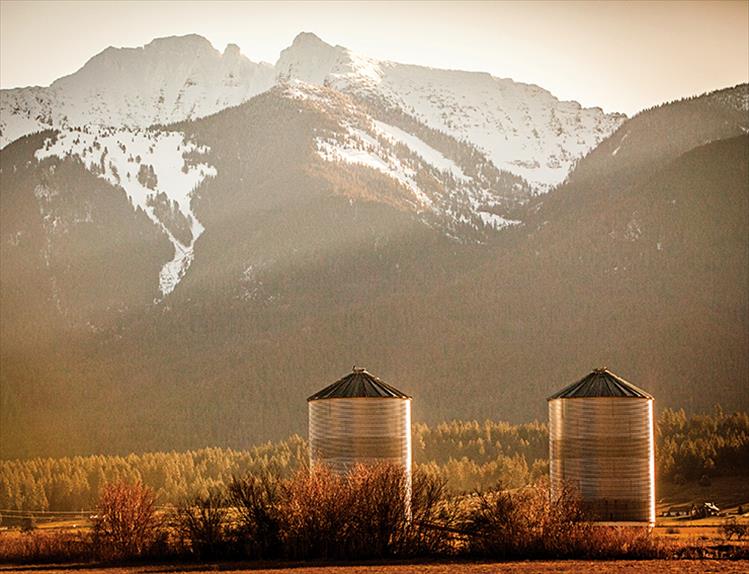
x: 126, y: 159
x: 299, y: 90
x: 426, y: 152
x: 358, y: 147
x: 621, y: 141
x: 362, y: 149
x: 452, y: 197
x: 497, y: 221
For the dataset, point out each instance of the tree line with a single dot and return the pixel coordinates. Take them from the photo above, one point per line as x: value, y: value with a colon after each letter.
x: 468, y: 455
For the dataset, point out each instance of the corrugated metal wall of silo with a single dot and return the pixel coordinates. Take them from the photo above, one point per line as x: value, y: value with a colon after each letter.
x: 344, y: 432
x: 603, y: 448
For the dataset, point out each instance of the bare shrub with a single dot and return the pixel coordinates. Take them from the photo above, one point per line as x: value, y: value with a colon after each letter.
x: 372, y: 512
x: 256, y: 500
x: 39, y: 547
x: 521, y: 524
x: 528, y: 523
x: 126, y: 524
x: 379, y: 512
x: 316, y: 515
x: 202, y: 521
x: 434, y: 517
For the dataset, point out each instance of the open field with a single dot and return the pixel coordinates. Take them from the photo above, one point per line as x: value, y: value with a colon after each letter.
x: 684, y: 529
x: 728, y: 492
x: 541, y: 567
x: 693, y: 532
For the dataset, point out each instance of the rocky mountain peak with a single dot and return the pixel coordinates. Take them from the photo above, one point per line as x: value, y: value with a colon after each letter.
x: 522, y: 129
x: 308, y: 59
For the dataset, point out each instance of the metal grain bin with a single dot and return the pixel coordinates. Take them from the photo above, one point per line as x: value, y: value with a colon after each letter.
x: 359, y: 420
x: 601, y: 444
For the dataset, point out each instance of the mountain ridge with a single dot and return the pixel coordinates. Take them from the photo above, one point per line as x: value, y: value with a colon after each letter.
x: 124, y: 98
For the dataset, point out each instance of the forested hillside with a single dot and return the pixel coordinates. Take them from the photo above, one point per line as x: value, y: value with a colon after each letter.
x: 306, y: 266
x: 469, y: 454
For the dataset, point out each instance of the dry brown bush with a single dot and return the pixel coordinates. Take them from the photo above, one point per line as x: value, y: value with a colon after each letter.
x: 126, y: 524
x: 606, y: 542
x: 529, y: 524
x: 39, y: 547
x: 255, y: 500
x: 372, y: 512
x: 202, y: 522
x: 435, y: 517
x: 316, y: 517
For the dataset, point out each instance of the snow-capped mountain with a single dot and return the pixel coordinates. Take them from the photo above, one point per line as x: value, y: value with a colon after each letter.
x: 463, y: 151
x: 437, y: 133
x: 465, y: 148
x: 522, y: 128
x: 159, y: 170
x: 168, y: 80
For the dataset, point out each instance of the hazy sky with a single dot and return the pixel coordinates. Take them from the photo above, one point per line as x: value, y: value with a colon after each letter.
x: 620, y: 56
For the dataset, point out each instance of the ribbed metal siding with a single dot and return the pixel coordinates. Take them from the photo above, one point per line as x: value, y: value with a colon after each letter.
x: 344, y: 432
x: 603, y: 447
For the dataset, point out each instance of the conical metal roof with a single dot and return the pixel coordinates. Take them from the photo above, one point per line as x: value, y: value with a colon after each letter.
x: 358, y: 383
x: 601, y: 383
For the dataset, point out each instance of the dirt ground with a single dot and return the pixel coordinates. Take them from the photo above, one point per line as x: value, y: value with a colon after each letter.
x: 556, y: 567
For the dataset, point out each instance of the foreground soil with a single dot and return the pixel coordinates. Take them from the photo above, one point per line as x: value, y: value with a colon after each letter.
x: 565, y: 566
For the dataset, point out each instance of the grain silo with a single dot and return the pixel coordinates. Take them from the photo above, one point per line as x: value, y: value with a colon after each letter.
x: 360, y: 420
x: 601, y: 445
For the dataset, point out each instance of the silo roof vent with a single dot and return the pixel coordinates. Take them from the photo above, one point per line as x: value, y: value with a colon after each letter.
x: 358, y: 383
x: 601, y: 383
